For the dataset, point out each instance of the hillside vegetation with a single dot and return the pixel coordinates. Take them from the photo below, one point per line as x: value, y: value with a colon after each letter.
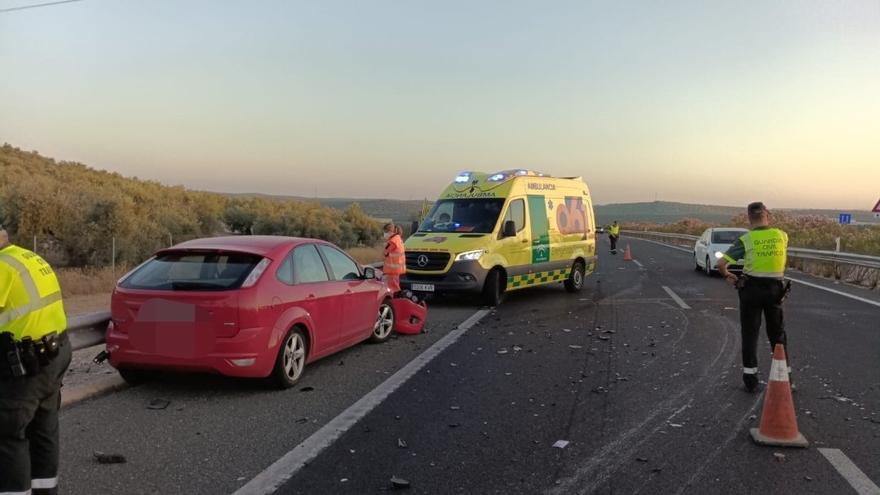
x: 74, y: 212
x: 805, y: 231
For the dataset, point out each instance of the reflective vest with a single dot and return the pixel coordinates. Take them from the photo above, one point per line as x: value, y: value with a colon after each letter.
x: 615, y: 230
x: 395, y: 258
x: 765, y: 253
x: 30, y: 297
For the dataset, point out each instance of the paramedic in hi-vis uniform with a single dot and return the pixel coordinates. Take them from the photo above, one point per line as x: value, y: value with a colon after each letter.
x: 394, y: 264
x: 762, y: 287
x: 34, y: 354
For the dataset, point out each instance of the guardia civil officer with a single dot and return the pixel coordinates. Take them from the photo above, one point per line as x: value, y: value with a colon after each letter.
x: 762, y: 287
x: 34, y: 354
x: 613, y: 236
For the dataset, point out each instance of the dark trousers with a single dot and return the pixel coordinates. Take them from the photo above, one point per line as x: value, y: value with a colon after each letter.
x: 760, y: 297
x: 613, y: 239
x: 29, y: 427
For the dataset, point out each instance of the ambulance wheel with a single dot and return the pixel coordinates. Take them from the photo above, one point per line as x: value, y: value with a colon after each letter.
x: 384, y: 326
x: 493, y: 290
x: 575, y: 281
x: 291, y: 360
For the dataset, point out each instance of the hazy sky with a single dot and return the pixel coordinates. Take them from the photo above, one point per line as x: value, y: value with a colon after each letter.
x: 700, y: 101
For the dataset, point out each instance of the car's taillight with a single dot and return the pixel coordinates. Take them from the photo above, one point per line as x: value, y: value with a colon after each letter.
x: 255, y: 273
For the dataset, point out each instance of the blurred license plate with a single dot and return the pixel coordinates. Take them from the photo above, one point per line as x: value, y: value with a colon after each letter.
x: 423, y: 287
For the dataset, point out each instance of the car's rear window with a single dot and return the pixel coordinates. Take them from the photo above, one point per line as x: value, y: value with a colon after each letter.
x: 726, y: 236
x: 188, y: 270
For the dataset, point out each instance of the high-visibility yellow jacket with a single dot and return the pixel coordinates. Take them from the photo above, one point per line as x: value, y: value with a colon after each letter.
x: 763, y: 250
x: 30, y: 296
x: 614, y: 230
x: 395, y: 257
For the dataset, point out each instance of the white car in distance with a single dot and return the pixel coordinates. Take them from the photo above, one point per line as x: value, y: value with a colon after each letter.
x: 710, y: 247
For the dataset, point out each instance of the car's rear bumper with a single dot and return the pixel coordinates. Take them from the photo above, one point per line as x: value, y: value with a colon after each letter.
x: 246, y: 355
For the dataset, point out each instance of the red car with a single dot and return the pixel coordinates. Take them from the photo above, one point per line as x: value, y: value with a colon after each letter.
x: 249, y: 306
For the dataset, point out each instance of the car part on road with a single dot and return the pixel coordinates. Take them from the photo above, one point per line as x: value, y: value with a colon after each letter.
x: 409, y: 316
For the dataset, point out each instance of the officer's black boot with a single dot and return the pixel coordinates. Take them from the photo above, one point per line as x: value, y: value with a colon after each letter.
x: 751, y: 381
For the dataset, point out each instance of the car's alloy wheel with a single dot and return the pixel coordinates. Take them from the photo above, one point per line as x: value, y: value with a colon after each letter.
x: 291, y: 359
x: 384, y: 323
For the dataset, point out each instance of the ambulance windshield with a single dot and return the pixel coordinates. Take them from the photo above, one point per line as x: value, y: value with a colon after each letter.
x: 477, y: 216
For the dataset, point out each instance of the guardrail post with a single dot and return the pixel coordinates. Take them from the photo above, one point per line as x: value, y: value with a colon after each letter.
x: 837, y: 244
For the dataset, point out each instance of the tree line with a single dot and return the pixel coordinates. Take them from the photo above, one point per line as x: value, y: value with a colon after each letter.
x: 75, y: 212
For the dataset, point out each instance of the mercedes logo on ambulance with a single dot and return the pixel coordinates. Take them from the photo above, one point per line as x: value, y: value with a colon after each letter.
x: 422, y: 260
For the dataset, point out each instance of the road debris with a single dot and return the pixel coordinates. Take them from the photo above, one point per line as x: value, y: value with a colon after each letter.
x: 158, y: 404
x: 454, y: 408
x: 575, y: 346
x: 399, y: 483
x: 502, y: 351
x: 642, y: 459
x: 561, y: 444
x: 103, y: 458
x: 302, y: 421
x: 307, y: 389
x: 401, y: 443
x: 780, y: 457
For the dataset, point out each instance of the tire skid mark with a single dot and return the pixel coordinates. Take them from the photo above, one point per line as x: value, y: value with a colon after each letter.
x: 608, y: 459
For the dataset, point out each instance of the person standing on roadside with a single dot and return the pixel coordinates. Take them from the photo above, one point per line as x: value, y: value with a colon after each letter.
x: 762, y: 286
x: 34, y: 355
x: 394, y: 264
x: 613, y: 235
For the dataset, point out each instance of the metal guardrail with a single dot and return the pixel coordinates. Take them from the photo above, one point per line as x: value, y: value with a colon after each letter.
x: 87, y: 330
x: 860, y: 260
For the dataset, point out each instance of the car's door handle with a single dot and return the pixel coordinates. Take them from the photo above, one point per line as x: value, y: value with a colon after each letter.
x: 348, y: 292
x: 310, y: 297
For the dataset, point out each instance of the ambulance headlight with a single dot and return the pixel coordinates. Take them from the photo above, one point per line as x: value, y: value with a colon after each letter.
x: 470, y: 255
x: 719, y: 255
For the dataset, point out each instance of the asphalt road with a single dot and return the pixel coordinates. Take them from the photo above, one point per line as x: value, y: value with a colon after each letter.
x: 647, y: 393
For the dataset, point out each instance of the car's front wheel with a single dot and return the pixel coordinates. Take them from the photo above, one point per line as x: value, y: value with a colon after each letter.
x: 384, y: 323
x: 291, y: 360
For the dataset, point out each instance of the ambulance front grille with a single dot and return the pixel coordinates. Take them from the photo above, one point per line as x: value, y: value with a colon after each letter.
x: 426, y: 261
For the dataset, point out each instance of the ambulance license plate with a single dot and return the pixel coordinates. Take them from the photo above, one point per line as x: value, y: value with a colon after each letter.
x: 423, y: 287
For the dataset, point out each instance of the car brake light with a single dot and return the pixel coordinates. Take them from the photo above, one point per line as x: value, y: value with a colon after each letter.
x: 255, y: 273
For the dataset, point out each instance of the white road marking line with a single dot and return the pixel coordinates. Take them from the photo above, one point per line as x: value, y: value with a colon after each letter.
x: 284, y: 468
x: 639, y: 264
x: 804, y: 282
x: 675, y: 298
x: 850, y: 472
x: 834, y: 291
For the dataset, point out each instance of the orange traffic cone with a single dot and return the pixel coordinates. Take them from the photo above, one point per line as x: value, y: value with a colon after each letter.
x: 778, y: 422
x: 627, y: 255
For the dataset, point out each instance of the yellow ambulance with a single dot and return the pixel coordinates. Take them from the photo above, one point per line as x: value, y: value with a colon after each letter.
x: 493, y: 233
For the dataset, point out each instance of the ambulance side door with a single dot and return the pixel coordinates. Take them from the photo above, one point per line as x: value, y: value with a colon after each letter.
x: 516, y: 249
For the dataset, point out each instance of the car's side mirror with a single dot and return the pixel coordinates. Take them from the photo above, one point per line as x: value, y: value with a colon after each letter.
x: 509, y: 229
x: 369, y: 273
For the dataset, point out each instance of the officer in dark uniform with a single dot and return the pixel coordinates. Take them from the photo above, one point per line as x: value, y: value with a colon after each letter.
x: 762, y: 286
x: 34, y: 354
